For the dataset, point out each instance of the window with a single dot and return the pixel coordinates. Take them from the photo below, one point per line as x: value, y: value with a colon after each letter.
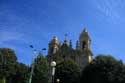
x: 84, y: 44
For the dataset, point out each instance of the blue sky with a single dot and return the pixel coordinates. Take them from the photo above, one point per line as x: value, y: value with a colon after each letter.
x: 25, y: 22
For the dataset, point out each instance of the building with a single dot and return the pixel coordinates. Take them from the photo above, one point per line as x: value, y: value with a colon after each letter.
x: 82, y: 54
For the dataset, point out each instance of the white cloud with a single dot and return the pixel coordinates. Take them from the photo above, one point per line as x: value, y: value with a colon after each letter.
x: 7, y: 36
x: 109, y: 9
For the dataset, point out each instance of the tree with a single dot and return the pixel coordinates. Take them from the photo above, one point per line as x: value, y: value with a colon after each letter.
x: 22, y: 74
x: 120, y: 74
x: 103, y: 69
x: 67, y: 71
x: 8, y: 61
x: 40, y: 74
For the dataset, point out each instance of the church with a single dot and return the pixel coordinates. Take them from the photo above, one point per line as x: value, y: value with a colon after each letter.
x: 82, y: 54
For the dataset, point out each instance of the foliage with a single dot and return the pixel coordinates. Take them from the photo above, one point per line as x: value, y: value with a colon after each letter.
x: 22, y: 74
x: 68, y: 72
x: 7, y: 62
x: 104, y: 69
x: 40, y: 70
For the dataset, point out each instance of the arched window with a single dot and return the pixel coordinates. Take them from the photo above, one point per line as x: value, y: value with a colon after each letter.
x: 84, y: 45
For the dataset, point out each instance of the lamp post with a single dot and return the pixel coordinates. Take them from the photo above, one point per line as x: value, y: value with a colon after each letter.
x: 32, y: 66
x: 53, y: 64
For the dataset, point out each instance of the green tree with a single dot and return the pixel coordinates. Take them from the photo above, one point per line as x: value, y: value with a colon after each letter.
x: 120, y: 74
x: 40, y: 74
x: 68, y: 72
x: 22, y: 74
x: 103, y: 69
x: 7, y: 63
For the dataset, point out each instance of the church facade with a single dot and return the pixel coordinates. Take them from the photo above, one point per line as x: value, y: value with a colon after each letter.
x: 82, y: 54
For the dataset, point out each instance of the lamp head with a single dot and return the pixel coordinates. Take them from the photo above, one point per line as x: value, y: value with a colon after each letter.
x: 53, y: 64
x: 57, y: 80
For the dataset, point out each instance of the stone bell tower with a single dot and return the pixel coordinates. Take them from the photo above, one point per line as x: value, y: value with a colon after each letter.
x: 85, y: 49
x: 53, y: 46
x: 84, y: 40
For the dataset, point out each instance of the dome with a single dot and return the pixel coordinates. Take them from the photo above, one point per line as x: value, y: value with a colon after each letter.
x: 54, y: 40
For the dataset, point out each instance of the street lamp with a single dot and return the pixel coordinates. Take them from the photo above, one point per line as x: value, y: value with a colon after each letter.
x: 57, y: 80
x: 53, y: 64
x: 32, y: 66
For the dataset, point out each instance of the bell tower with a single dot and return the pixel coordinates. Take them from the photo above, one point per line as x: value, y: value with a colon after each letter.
x: 84, y: 40
x: 85, y: 49
x: 53, y: 46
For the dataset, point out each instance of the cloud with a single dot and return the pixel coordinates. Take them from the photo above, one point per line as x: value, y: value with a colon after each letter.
x: 7, y: 36
x: 109, y: 9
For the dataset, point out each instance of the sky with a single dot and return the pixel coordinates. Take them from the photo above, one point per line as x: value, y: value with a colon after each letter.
x: 35, y: 22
